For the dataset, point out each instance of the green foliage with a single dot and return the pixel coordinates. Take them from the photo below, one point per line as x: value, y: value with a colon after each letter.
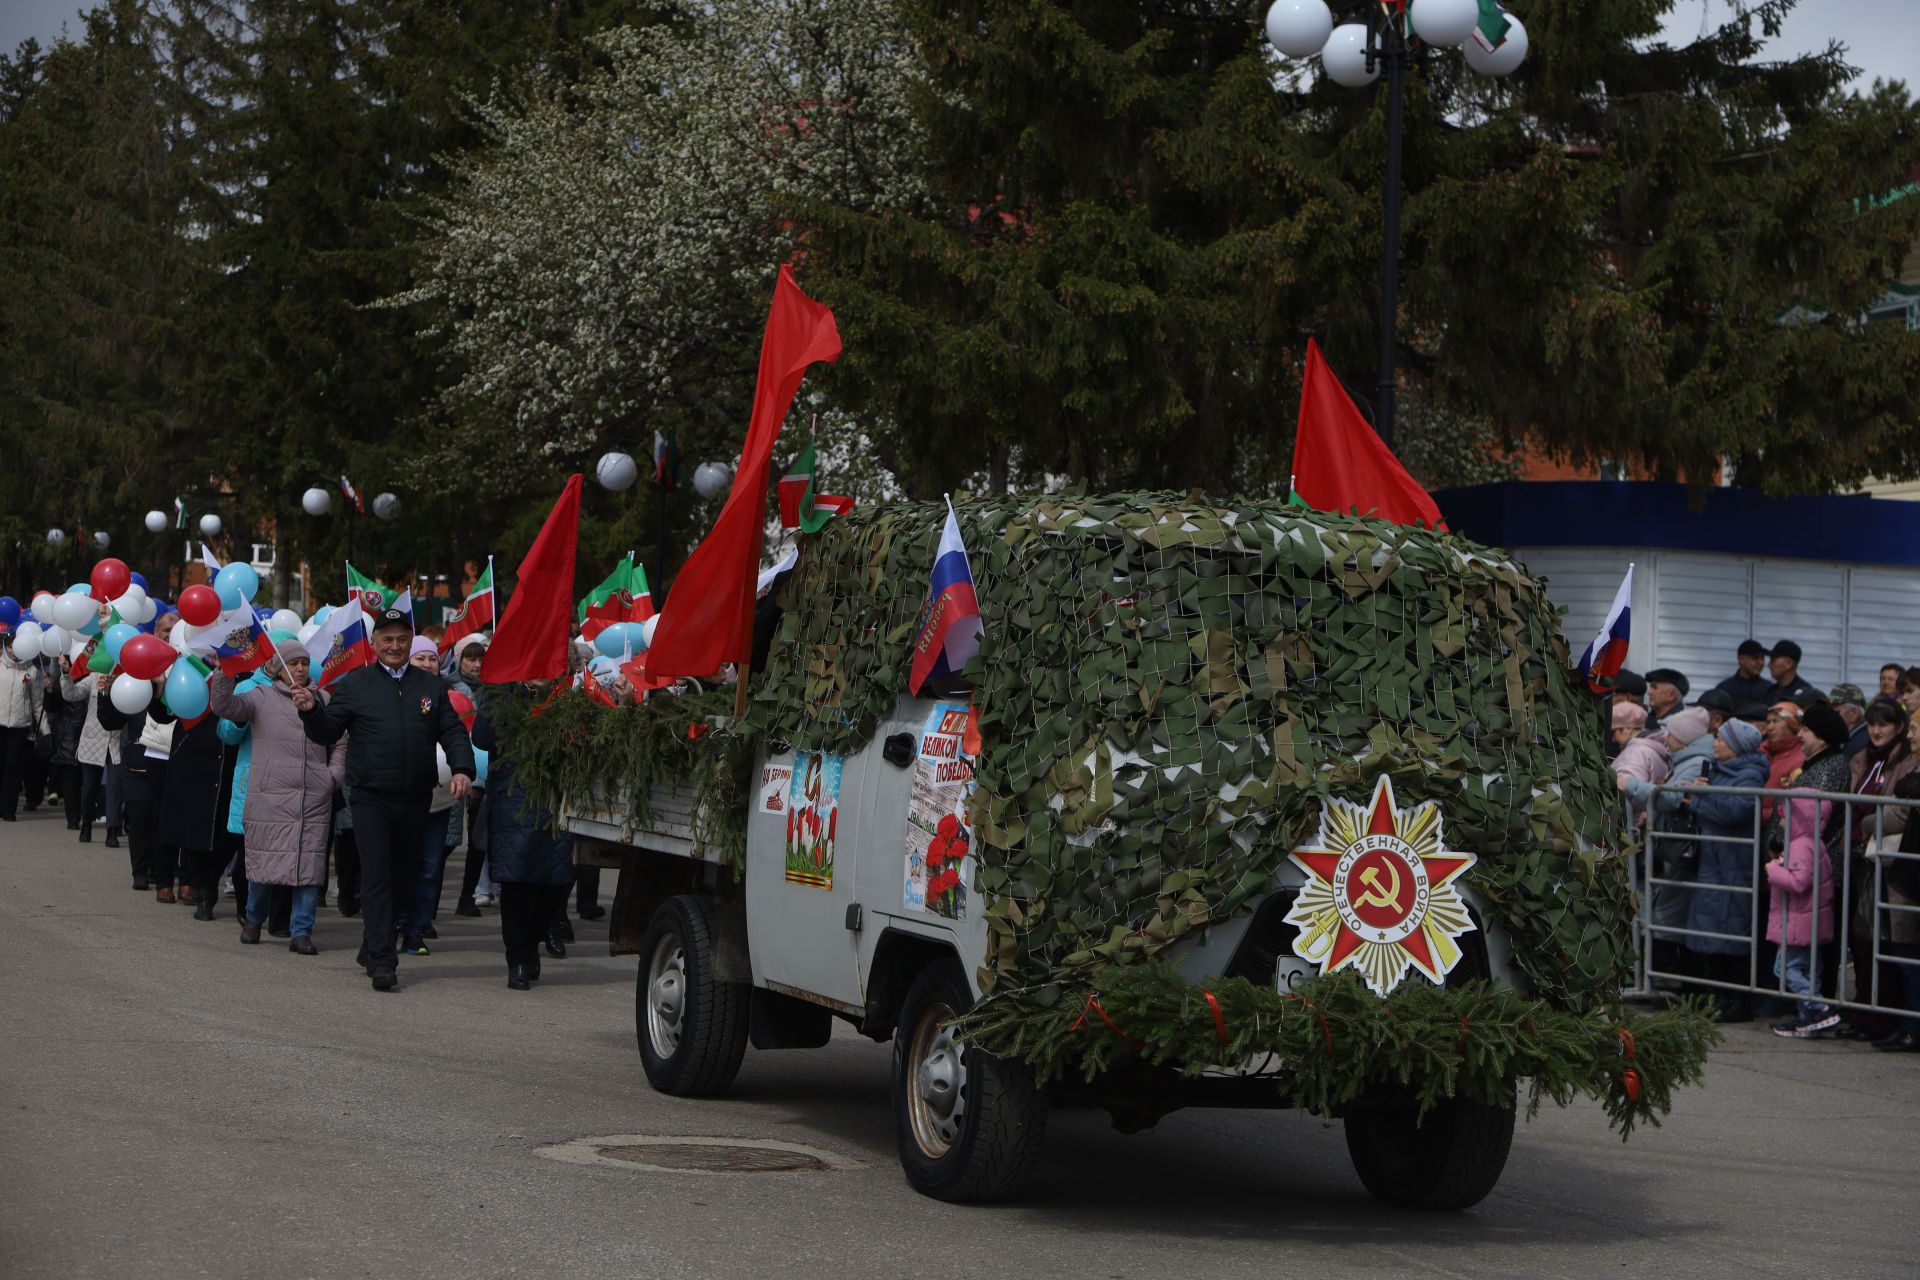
x: 1327, y: 1044
x: 1169, y: 688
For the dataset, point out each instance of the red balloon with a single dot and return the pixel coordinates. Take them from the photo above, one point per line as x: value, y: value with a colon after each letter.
x: 146, y: 657
x: 199, y: 605
x: 110, y: 579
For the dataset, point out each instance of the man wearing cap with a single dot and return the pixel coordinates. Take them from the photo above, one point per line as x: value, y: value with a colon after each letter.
x: 1851, y: 702
x: 392, y: 714
x: 1749, y: 684
x: 1783, y: 661
x: 1666, y: 694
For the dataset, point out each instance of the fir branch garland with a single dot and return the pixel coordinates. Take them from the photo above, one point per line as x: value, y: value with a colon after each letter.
x: 1325, y: 1045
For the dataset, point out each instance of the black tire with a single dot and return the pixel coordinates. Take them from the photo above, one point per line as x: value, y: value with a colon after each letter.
x: 995, y: 1118
x: 1449, y: 1161
x: 697, y: 1052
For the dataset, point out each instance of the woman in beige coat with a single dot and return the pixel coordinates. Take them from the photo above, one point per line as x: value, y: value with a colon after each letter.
x: 290, y: 786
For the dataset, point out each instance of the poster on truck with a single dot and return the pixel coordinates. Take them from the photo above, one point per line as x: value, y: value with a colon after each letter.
x: 939, y: 852
x: 813, y: 817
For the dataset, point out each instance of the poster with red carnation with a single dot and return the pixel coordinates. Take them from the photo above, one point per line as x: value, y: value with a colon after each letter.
x: 939, y: 854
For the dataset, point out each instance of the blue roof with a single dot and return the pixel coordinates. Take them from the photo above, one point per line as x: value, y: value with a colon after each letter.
x: 1637, y: 513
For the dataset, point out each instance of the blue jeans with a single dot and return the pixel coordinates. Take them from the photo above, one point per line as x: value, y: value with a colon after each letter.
x: 306, y: 904
x: 433, y: 870
x: 1801, y: 978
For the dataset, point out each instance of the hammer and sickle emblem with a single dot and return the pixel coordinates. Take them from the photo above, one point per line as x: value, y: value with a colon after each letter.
x: 1387, y: 898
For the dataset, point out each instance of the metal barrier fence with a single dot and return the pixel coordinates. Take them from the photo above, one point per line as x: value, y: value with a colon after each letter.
x: 1862, y: 869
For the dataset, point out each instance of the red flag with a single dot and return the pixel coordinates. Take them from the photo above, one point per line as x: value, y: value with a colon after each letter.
x: 708, y: 618
x: 531, y: 641
x: 1340, y: 464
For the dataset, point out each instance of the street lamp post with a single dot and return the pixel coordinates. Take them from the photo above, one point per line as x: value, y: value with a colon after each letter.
x: 1394, y: 34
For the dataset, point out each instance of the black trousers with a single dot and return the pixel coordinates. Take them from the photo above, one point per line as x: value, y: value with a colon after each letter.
x: 93, y: 794
x: 526, y: 913
x: 389, y: 830
x: 72, y: 791
x: 201, y: 869
x: 586, y: 893
x: 346, y: 862
x: 16, y: 752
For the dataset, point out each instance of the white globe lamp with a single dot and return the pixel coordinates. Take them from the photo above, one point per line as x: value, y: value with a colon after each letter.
x: 156, y: 521
x: 1345, y: 57
x: 710, y: 479
x: 1445, y: 23
x: 616, y: 471
x: 210, y: 525
x: 101, y: 540
x: 1505, y: 58
x: 386, y: 506
x: 56, y: 537
x: 316, y: 502
x: 1299, y: 28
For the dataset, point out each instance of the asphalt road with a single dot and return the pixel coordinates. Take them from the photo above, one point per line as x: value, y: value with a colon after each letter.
x: 178, y: 1105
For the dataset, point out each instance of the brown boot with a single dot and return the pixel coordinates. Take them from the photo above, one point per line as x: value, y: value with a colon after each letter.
x: 187, y: 894
x: 163, y: 894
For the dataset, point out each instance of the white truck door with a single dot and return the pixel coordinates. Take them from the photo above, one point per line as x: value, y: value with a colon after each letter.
x: 800, y: 877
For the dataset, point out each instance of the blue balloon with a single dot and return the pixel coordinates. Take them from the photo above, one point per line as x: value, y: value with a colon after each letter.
x: 9, y: 611
x: 262, y: 613
x: 81, y: 589
x: 320, y: 614
x: 118, y: 635
x: 93, y: 625
x: 139, y: 580
x: 186, y: 690
x: 618, y: 638
x: 230, y: 598
x: 283, y: 636
x: 239, y: 576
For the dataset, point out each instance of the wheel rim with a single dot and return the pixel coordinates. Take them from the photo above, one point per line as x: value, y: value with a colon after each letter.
x: 937, y: 1098
x: 666, y: 995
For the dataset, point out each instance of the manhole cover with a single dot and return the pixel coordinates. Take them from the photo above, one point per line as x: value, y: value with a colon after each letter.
x: 717, y: 1159
x: 665, y: 1154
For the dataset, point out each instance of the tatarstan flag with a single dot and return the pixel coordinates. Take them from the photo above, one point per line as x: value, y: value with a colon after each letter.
x: 373, y: 597
x: 474, y: 614
x: 800, y: 506
x: 623, y: 596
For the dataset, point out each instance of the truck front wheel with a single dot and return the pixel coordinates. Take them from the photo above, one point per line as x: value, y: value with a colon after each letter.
x: 691, y: 1026
x: 968, y: 1124
x: 1451, y: 1160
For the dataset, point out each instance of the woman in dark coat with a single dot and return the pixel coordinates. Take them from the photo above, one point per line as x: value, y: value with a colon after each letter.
x: 143, y: 782
x: 193, y: 816
x: 533, y: 866
x: 1723, y: 901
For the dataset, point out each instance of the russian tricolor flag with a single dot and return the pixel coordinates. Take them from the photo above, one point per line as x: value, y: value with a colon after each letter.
x: 340, y: 645
x: 236, y: 641
x: 950, y: 628
x: 1607, y: 652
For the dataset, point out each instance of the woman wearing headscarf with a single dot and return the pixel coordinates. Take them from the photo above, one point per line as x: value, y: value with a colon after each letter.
x: 1690, y: 756
x: 289, y: 801
x: 1876, y: 770
x: 1722, y: 902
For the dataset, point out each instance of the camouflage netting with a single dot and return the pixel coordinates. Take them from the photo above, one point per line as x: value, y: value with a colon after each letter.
x: 1169, y: 688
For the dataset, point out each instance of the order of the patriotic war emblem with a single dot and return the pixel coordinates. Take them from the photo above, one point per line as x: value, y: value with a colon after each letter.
x: 1380, y: 895
x: 426, y: 706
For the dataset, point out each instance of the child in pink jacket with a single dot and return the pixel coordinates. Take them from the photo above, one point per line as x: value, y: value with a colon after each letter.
x: 1793, y: 921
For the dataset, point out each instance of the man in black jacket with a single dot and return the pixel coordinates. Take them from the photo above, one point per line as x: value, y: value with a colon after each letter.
x: 395, y: 714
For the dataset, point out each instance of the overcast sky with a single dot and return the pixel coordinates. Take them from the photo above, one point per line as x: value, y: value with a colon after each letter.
x: 1882, y: 36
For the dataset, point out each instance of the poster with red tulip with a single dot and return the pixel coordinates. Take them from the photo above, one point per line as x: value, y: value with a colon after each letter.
x: 813, y: 818
x: 939, y: 853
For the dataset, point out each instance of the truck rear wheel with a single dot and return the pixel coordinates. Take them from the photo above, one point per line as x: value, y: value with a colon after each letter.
x: 968, y: 1124
x: 691, y: 1026
x: 1451, y: 1160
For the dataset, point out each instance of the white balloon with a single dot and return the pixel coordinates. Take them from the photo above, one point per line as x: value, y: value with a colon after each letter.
x: 132, y: 604
x: 1299, y: 28
x: 210, y: 525
x: 1503, y: 60
x: 182, y: 637
x: 74, y: 611
x: 616, y: 471
x: 307, y: 631
x: 156, y: 521
x: 26, y: 641
x: 1445, y: 23
x: 55, y: 641
x: 285, y: 620
x: 316, y: 502
x: 440, y: 762
x: 647, y: 629
x: 149, y: 612
x: 130, y: 696
x: 1345, y: 57
x: 42, y: 607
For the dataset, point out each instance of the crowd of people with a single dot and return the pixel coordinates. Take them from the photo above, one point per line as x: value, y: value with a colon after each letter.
x: 1755, y: 890
x: 283, y: 790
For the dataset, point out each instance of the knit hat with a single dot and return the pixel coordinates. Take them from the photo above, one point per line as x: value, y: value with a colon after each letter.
x: 1741, y: 736
x: 1686, y: 726
x: 1628, y: 715
x: 293, y: 651
x: 1827, y: 723
x: 423, y: 645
